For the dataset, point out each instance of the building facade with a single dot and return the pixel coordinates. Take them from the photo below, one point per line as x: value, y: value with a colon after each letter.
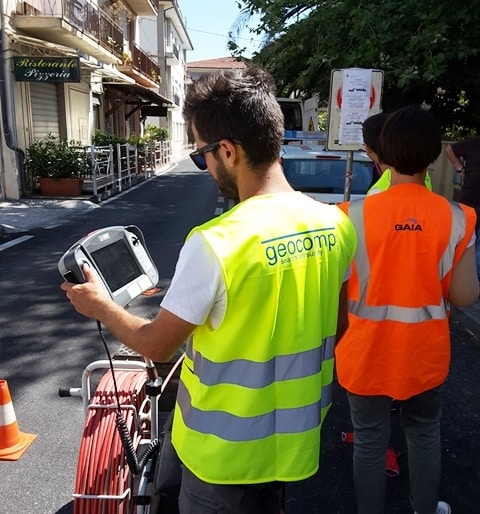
x: 71, y: 67
x: 166, y: 35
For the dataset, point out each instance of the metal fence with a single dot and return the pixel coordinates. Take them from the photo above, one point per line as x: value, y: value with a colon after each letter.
x: 115, y: 168
x: 157, y: 154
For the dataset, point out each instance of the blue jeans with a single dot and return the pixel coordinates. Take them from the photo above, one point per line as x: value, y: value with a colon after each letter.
x: 420, y: 420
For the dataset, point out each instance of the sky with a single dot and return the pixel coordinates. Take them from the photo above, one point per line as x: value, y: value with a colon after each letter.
x: 208, y: 24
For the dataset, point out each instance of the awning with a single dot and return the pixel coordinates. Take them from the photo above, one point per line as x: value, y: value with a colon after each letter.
x: 114, y: 76
x: 135, y: 95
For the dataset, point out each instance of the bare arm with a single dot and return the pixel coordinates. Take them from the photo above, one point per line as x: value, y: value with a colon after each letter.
x: 452, y: 157
x: 157, y: 339
x: 464, y: 288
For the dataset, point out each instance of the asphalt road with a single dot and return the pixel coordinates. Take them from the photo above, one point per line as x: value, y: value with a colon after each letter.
x: 331, y: 491
x: 45, y: 345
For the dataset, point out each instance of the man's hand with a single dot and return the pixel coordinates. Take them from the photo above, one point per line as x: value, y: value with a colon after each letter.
x: 157, y: 339
x: 88, y: 298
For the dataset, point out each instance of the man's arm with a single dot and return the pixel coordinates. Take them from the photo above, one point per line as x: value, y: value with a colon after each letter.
x: 157, y: 339
x: 464, y: 288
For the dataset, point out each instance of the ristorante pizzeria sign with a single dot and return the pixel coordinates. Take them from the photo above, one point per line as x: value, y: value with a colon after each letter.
x: 47, y: 69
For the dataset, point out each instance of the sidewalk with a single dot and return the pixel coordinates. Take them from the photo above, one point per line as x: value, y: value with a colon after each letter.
x: 473, y: 315
x: 19, y: 216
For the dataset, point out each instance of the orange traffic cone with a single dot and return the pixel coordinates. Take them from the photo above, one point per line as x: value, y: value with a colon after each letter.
x: 12, y: 442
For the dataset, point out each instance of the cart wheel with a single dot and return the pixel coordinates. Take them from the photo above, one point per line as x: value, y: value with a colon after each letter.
x: 104, y: 484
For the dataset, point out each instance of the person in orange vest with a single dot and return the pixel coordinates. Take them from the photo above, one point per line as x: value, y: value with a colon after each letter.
x: 371, y: 129
x: 415, y: 257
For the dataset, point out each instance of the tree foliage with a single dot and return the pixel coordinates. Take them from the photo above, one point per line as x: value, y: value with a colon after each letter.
x: 429, y: 51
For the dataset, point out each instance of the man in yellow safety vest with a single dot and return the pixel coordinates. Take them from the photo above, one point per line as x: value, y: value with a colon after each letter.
x: 256, y: 292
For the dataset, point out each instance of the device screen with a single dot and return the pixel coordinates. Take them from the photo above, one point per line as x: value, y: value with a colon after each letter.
x: 116, y: 264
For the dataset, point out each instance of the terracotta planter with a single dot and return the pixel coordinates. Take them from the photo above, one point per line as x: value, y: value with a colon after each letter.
x: 61, y: 187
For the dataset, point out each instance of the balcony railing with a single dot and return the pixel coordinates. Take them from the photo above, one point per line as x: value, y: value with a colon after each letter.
x: 83, y: 16
x: 143, y: 63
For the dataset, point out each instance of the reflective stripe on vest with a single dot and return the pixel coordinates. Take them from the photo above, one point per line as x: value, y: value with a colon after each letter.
x: 285, y: 367
x: 255, y: 375
x: 234, y: 428
x: 393, y: 312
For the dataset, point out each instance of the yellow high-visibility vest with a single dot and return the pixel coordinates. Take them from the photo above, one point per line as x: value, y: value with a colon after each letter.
x: 383, y: 183
x: 253, y: 391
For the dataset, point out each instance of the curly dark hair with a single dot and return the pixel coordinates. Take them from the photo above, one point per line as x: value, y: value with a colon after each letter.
x: 239, y: 105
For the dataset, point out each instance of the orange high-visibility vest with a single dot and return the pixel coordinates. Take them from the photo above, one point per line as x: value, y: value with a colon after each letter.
x: 398, y: 341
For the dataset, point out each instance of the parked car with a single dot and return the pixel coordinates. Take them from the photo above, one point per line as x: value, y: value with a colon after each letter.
x: 321, y: 173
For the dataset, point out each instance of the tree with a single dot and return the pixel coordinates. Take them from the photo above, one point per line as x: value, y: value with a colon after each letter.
x: 154, y: 133
x: 428, y: 51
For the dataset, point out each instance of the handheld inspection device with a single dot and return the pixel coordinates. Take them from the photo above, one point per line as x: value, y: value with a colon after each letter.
x: 119, y: 259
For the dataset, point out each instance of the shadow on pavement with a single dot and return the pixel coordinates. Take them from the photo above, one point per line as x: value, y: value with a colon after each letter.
x: 331, y: 490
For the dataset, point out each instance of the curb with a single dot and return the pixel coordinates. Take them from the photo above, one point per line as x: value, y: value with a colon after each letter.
x: 32, y: 212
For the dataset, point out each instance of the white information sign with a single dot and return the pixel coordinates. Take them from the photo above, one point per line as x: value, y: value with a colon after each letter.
x: 355, y: 104
x: 355, y: 94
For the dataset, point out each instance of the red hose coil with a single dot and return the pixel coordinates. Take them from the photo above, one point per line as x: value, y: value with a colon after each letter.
x: 102, y: 468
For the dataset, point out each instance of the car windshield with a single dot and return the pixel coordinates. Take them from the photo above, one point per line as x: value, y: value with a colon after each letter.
x: 327, y: 175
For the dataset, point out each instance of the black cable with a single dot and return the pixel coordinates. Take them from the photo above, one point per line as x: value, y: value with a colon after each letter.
x: 117, y: 396
x: 135, y: 464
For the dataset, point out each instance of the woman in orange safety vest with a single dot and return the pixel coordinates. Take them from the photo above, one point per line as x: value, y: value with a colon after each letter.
x: 415, y: 256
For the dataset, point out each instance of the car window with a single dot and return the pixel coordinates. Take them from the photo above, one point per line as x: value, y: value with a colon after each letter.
x: 327, y: 175
x: 292, y: 113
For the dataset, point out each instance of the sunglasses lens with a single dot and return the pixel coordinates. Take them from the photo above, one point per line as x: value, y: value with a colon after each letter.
x: 199, y: 160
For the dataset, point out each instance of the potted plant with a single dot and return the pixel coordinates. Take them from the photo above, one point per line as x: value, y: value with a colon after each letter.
x: 59, y: 166
x: 126, y: 59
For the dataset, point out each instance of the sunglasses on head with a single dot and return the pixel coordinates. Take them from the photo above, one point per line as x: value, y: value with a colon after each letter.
x: 198, y: 156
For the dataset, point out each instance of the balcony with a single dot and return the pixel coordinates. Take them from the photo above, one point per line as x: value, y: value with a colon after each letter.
x: 174, y: 14
x: 172, y: 53
x: 74, y: 23
x: 143, y: 7
x: 174, y: 98
x: 141, y: 67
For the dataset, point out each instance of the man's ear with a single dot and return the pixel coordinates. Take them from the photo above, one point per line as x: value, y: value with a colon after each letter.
x: 230, y: 152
